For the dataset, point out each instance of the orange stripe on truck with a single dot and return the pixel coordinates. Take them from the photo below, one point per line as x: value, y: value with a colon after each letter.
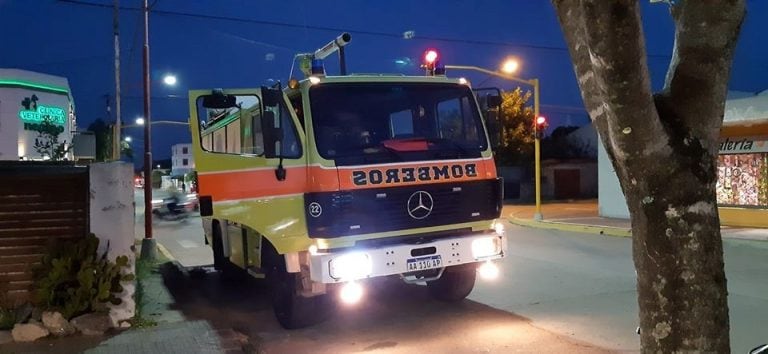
x: 262, y: 183
x: 248, y: 184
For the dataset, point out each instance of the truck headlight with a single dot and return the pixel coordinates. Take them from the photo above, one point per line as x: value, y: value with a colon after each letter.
x: 498, y: 226
x: 486, y: 247
x: 351, y: 266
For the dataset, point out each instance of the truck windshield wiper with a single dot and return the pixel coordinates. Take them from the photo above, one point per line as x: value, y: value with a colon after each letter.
x: 441, y: 141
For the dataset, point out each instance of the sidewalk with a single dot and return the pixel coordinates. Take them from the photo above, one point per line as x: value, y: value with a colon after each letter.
x: 582, y: 216
x: 173, y: 332
x: 166, y: 331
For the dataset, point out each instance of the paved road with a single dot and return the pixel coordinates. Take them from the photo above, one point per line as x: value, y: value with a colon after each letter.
x: 183, y: 239
x: 583, y: 286
x: 571, y: 286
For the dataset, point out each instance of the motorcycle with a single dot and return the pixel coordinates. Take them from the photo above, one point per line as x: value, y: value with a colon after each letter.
x: 172, y: 209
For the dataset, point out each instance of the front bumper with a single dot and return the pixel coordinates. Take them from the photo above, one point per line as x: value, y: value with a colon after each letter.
x: 393, y: 259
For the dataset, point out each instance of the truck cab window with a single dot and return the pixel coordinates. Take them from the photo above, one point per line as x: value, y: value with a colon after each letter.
x: 234, y: 130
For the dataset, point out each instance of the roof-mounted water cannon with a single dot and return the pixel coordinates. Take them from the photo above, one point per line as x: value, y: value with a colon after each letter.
x: 312, y: 63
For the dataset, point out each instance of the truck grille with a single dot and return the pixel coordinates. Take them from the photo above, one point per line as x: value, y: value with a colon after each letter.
x: 367, y: 211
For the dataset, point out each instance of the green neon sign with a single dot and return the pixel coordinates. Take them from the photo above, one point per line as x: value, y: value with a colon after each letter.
x: 57, y: 115
x: 32, y: 85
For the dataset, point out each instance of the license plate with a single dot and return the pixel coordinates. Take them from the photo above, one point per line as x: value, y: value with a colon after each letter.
x: 424, y: 263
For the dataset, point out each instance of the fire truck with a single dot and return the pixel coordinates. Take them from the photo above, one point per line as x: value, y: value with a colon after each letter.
x: 333, y: 182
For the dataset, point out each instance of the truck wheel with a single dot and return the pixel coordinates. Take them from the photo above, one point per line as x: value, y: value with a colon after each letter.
x: 455, y: 284
x: 291, y: 309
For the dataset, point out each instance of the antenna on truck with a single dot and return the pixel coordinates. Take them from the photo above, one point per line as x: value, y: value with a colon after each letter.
x: 312, y: 63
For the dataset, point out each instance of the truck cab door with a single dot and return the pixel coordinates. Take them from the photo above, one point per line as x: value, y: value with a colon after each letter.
x: 250, y: 161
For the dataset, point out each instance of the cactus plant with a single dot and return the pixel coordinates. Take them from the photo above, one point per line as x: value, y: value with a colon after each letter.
x: 74, y: 279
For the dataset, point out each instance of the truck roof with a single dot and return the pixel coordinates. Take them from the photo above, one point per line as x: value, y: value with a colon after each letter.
x: 386, y: 78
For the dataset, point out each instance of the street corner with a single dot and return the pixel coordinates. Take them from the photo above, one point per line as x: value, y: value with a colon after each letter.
x: 562, y: 225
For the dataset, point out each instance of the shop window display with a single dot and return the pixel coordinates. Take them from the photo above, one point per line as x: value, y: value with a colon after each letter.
x: 742, y: 180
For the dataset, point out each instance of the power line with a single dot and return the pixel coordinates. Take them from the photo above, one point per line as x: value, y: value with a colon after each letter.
x: 336, y: 29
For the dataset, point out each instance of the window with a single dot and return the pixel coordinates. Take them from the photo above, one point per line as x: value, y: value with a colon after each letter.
x: 185, y: 162
x: 360, y: 123
x: 240, y: 130
x: 185, y: 150
x: 230, y: 130
x: 742, y: 179
x: 290, y: 146
x: 401, y: 123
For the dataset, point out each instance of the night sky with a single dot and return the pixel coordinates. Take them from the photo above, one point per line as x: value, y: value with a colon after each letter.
x: 75, y: 41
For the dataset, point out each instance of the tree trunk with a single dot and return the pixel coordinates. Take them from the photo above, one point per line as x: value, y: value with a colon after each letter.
x: 664, y: 149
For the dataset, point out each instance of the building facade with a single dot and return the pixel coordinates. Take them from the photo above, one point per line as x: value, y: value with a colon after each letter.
x: 181, y: 160
x: 26, y: 100
x: 742, y: 167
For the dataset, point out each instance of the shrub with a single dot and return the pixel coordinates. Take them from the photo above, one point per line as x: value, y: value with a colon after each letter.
x: 73, y: 279
x: 7, y: 318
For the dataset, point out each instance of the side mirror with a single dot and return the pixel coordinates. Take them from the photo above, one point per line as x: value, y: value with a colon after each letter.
x: 494, y: 130
x: 219, y: 100
x: 273, y: 133
x: 271, y: 97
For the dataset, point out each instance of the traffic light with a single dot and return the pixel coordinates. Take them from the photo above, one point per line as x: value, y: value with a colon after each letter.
x: 539, y: 126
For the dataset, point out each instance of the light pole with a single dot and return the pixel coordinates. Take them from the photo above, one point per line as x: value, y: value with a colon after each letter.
x: 510, y: 66
x: 148, y: 244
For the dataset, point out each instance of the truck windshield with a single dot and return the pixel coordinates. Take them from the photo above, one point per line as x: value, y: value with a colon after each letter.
x: 389, y: 122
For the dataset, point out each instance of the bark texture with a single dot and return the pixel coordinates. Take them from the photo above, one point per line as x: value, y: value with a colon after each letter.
x: 664, y: 147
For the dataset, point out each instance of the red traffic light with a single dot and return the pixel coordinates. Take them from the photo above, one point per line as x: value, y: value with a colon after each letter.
x: 430, y: 57
x: 541, y: 120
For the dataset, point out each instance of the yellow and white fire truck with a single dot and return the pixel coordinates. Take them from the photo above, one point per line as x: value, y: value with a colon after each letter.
x: 333, y: 181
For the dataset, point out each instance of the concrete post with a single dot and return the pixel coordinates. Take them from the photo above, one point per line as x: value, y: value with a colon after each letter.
x: 111, y: 218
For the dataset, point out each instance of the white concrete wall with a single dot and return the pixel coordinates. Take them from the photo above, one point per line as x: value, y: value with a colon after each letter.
x: 9, y: 128
x: 112, y: 217
x: 16, y: 141
x: 610, y: 198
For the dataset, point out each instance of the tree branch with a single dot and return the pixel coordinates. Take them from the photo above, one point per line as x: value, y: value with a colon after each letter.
x: 613, y: 74
x: 697, y: 79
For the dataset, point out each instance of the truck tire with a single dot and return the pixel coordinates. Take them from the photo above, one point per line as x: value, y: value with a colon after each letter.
x: 455, y: 284
x: 292, y: 310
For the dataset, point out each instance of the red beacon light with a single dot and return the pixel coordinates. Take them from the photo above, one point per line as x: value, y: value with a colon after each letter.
x: 432, y: 63
x: 430, y: 57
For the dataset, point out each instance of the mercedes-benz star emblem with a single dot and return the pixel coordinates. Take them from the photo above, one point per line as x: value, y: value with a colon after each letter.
x: 420, y: 205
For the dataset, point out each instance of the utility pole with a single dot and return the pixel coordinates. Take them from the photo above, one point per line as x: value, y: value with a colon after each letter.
x: 148, y: 245
x: 116, y: 31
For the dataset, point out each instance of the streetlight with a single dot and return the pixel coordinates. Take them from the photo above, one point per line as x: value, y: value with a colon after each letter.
x: 128, y: 139
x: 537, y: 144
x: 139, y: 121
x: 510, y: 66
x: 170, y: 79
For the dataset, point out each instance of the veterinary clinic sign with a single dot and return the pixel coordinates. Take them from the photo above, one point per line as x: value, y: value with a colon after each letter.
x: 57, y: 115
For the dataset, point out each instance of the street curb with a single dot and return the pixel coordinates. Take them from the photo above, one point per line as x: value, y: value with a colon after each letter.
x: 165, y: 252
x: 561, y: 226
